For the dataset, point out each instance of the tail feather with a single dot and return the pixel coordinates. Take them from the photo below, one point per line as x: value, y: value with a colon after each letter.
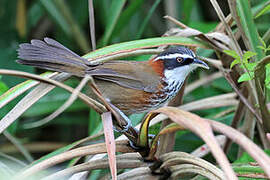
x: 50, y: 54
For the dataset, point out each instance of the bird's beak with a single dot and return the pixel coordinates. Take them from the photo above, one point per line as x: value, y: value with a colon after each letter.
x: 200, y: 63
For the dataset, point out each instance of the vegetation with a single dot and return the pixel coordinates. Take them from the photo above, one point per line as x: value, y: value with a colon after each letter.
x: 54, y: 130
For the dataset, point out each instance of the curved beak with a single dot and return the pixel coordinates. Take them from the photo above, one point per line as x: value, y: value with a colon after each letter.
x: 200, y: 63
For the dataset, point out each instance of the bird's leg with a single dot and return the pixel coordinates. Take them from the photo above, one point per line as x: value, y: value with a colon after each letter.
x: 124, y: 118
x: 119, y: 117
x: 128, y: 130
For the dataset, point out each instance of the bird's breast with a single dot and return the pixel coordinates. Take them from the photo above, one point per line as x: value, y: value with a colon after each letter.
x: 168, y: 90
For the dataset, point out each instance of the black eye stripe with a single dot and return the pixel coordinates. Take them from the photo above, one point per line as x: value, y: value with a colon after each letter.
x: 187, y: 61
x: 190, y: 60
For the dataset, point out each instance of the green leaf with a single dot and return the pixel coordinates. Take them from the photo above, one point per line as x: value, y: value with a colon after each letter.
x: 268, y: 85
x: 222, y: 85
x: 186, y: 12
x: 251, y: 66
x: 52, y: 101
x: 56, y: 15
x: 263, y: 11
x: 94, y: 123
x: 250, y: 28
x: 204, y: 27
x: 267, y: 76
x: 114, y: 11
x: 247, y: 55
x: 62, y: 15
x: 243, y: 164
x: 246, y: 77
x: 147, y: 18
x: 126, y: 16
x: 261, y: 47
x: 3, y: 86
x: 246, y: 158
x: 236, y: 61
x: 246, y: 169
x: 262, y: 41
x: 232, y: 53
x: 143, y: 43
x: 35, y: 13
x: 12, y: 93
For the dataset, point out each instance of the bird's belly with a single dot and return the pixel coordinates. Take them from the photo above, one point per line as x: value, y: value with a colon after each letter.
x: 139, y: 105
x: 137, y: 102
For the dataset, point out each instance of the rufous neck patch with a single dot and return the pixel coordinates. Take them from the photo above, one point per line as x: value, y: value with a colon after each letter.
x: 158, y: 66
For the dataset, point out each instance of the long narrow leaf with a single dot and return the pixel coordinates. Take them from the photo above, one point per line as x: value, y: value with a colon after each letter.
x: 56, y: 15
x: 249, y: 26
x: 110, y: 141
x: 21, y: 88
x: 143, y: 43
x: 114, y: 11
x: 147, y: 18
x: 126, y: 16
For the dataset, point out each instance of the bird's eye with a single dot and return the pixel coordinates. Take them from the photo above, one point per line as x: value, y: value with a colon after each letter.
x: 179, y: 59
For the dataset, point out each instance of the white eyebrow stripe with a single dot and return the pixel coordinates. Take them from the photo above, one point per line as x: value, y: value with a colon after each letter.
x: 171, y: 56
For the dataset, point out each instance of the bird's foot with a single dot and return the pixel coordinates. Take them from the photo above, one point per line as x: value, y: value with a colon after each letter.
x: 124, y: 128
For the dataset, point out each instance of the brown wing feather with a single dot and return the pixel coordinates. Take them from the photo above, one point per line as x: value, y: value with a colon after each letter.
x: 128, y: 74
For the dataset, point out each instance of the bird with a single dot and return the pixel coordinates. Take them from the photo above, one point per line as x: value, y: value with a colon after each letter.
x: 131, y: 86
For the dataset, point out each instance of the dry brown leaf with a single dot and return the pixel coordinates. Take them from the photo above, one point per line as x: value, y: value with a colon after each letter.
x: 110, y: 142
x: 121, y: 146
x: 203, y: 129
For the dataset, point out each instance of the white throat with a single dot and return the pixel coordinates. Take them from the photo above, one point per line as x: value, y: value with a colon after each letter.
x: 174, y: 79
x: 177, y: 75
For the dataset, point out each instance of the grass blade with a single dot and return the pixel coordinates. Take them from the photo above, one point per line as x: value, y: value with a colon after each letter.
x: 126, y: 16
x: 114, y: 11
x: 146, y: 20
x: 56, y: 15
x: 21, y: 88
x: 92, y: 24
x: 246, y: 18
x: 143, y: 43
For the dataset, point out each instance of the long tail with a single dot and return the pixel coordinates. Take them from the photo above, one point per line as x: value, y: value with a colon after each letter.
x: 50, y: 54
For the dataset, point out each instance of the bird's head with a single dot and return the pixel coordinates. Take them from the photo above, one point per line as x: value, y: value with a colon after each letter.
x: 178, y: 62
